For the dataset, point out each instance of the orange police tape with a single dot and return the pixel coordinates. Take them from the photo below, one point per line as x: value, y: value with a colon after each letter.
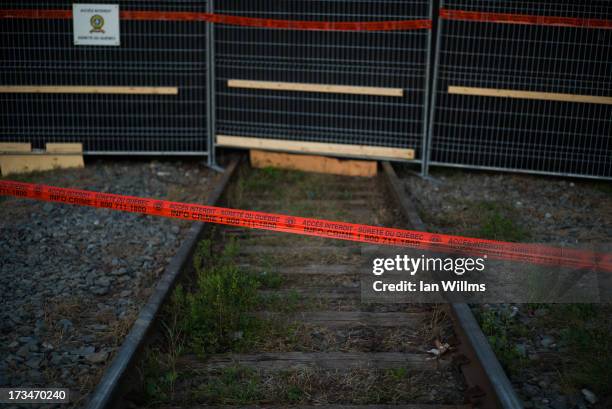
x: 143, y: 15
x: 531, y: 253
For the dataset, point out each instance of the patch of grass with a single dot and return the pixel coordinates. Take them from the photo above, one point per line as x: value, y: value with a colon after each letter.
x: 397, y: 374
x: 269, y: 180
x: 500, y: 330
x: 586, y: 336
x: 281, y: 303
x: 234, y: 386
x: 269, y: 335
x: 206, y: 258
x: 159, y: 376
x: 265, y: 275
x: 358, y: 387
x: 498, y: 223
x: 603, y: 187
x: 242, y: 386
x: 269, y: 279
x: 482, y: 219
x: 295, y: 394
x: 214, y: 314
x: 284, y: 186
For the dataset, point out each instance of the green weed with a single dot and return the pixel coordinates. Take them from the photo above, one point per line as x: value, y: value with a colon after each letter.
x: 498, y: 223
x: 500, y: 330
x: 294, y: 394
x: 483, y: 219
x: 269, y: 280
x: 159, y: 370
x: 265, y: 179
x: 265, y: 275
x: 214, y: 314
x: 397, y: 374
x: 159, y: 376
x: 235, y: 386
x: 281, y: 303
x: 586, y: 337
x: 603, y: 187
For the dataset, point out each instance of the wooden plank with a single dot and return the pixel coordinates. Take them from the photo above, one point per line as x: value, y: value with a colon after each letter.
x: 38, y: 162
x: 323, y: 293
x: 323, y: 250
x: 19, y: 158
x: 66, y: 89
x: 327, y: 269
x: 317, y: 203
x: 325, y: 88
x: 334, y: 319
x: 15, y: 147
x: 64, y: 148
x: 317, y: 360
x: 313, y: 163
x: 317, y: 269
x: 548, y: 96
x: 334, y: 149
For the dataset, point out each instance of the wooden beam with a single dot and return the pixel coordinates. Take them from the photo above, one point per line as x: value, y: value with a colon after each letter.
x: 327, y: 88
x: 324, y: 250
x: 311, y: 269
x: 64, y: 148
x: 341, y: 361
x: 316, y: 293
x: 19, y: 158
x: 57, y: 89
x: 335, y: 319
x: 334, y: 149
x: 548, y: 96
x: 15, y: 147
x: 312, y: 163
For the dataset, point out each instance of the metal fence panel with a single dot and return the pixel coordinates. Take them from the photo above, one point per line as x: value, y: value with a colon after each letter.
x: 152, y: 54
x: 518, y: 134
x: 390, y: 59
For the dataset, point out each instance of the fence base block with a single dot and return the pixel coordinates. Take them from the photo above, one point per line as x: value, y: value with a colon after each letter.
x: 19, y: 157
x: 313, y: 163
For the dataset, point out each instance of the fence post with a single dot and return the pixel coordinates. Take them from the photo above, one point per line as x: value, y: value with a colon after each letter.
x: 211, y: 123
x: 434, y: 90
x: 428, y: 92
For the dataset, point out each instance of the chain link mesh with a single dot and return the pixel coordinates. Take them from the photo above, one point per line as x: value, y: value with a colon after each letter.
x: 552, y: 137
x: 152, y: 54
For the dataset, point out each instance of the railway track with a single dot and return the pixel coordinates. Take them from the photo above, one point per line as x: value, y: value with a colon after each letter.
x: 317, y: 344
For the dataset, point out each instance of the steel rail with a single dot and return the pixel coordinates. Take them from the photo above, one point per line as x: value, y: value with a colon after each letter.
x: 488, y: 384
x: 108, y: 386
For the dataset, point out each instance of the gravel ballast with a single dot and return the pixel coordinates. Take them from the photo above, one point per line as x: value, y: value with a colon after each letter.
x: 74, y: 278
x: 549, y: 351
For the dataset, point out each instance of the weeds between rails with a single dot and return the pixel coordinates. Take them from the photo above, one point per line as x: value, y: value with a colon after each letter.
x: 289, y: 314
